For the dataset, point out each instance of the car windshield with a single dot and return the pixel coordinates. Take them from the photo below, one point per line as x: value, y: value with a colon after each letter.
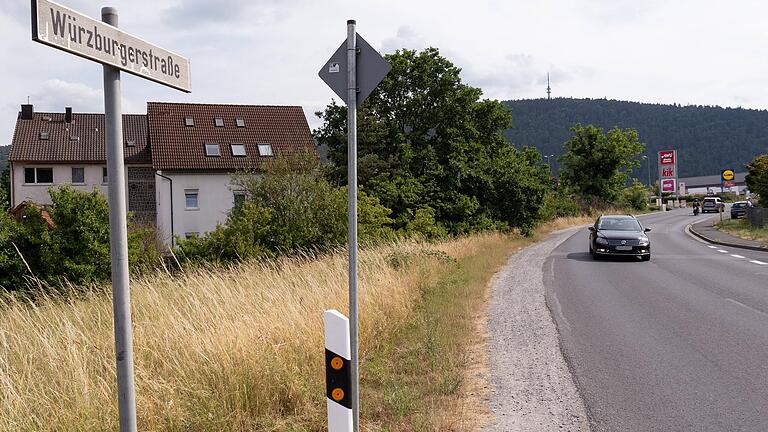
x: 619, y: 225
x: 738, y: 205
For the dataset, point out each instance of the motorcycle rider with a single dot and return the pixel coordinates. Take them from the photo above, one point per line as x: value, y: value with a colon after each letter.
x: 696, y: 207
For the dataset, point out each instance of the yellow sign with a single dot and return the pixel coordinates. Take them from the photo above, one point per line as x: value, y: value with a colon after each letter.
x: 728, y: 174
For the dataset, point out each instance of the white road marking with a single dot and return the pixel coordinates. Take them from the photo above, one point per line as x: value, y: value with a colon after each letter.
x: 712, y: 247
x: 738, y: 303
x: 737, y: 256
x: 722, y: 251
x: 758, y: 262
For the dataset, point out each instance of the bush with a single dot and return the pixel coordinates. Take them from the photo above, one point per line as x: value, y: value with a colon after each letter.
x: 75, y: 250
x: 634, y: 197
x: 559, y: 203
x: 289, y: 208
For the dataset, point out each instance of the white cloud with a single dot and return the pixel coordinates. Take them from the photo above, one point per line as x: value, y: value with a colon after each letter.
x: 406, y: 38
x: 56, y: 94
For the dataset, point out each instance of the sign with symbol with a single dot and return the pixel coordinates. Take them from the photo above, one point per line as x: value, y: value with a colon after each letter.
x: 727, y: 175
x: 667, y: 157
x: 667, y: 171
x: 371, y: 69
x: 668, y: 185
x: 68, y: 30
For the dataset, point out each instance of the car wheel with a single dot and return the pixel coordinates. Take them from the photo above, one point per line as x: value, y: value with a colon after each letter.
x: 646, y: 257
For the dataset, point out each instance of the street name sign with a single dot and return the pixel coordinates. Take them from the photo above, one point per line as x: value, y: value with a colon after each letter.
x: 371, y: 69
x: 68, y: 30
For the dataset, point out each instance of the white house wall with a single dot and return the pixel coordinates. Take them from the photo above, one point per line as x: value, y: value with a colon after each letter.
x: 62, y: 174
x: 215, y: 200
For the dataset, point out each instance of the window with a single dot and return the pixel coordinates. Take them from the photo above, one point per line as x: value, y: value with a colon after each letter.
x: 189, y: 122
x: 74, y: 138
x: 240, y: 122
x: 130, y: 143
x: 38, y: 175
x: 190, y: 197
x: 239, y: 199
x: 238, y: 149
x: 265, y: 150
x: 212, y: 150
x: 43, y: 136
x: 189, y: 235
x: 218, y: 121
x: 104, y: 177
x: 78, y: 175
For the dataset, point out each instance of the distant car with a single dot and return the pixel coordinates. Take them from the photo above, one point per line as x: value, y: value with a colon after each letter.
x: 711, y: 204
x: 619, y: 235
x: 738, y: 209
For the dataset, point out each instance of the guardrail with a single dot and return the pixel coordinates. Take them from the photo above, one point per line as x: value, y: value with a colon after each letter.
x: 757, y: 216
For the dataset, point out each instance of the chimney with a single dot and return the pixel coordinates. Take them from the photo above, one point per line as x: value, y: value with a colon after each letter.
x: 68, y: 114
x: 26, y: 111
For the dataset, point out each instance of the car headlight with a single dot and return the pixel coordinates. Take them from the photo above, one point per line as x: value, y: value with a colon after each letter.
x: 602, y: 241
x: 644, y: 241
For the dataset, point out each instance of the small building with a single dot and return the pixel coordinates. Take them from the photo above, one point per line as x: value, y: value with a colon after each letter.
x: 179, y: 157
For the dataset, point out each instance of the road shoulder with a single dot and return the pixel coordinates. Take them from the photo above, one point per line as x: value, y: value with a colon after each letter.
x: 531, y: 386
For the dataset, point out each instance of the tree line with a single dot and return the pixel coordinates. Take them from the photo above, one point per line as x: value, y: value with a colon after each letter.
x: 707, y: 138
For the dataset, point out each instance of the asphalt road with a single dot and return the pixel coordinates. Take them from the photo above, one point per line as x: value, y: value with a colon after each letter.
x: 679, y: 343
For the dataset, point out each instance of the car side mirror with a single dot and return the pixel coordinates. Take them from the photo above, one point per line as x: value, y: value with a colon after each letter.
x: 647, y: 229
x: 591, y: 229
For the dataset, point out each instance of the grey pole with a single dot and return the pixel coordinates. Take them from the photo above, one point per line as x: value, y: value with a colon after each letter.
x: 118, y: 240
x: 352, y: 215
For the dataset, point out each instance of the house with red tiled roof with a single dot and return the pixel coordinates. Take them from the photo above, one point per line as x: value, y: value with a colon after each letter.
x: 179, y: 157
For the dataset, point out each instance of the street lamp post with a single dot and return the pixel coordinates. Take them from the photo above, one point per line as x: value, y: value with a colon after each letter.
x: 648, y: 162
x: 549, y: 164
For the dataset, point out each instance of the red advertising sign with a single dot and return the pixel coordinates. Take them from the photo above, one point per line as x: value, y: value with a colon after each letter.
x: 667, y: 157
x: 667, y: 172
x: 668, y: 185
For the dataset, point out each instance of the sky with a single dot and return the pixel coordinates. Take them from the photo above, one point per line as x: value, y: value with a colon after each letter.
x: 268, y: 52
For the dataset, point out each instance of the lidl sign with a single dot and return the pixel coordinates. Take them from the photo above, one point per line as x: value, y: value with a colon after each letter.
x: 727, y: 175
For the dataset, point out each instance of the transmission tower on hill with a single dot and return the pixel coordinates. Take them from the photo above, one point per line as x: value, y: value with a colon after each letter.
x: 549, y: 89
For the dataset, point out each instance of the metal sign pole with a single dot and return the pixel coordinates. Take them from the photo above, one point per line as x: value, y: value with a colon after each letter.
x: 118, y: 240
x: 352, y: 214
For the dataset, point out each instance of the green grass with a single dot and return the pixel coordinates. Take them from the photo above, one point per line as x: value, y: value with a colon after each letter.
x: 418, y: 380
x: 742, y: 229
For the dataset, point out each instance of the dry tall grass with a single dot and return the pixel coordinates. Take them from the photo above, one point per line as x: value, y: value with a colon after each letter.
x: 236, y: 349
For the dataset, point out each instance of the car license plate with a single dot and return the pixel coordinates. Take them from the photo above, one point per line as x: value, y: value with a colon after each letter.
x: 624, y: 248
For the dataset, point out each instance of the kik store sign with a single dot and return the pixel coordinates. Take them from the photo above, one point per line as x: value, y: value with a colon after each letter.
x: 668, y: 171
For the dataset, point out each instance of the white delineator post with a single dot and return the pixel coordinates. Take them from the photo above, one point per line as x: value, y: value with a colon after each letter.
x: 118, y: 240
x: 337, y: 372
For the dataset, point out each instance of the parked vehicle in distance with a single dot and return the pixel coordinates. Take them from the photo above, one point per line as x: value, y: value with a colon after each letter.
x: 738, y: 209
x: 711, y: 204
x: 619, y: 235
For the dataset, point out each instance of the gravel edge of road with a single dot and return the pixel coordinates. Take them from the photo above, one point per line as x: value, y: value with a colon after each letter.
x: 531, y: 386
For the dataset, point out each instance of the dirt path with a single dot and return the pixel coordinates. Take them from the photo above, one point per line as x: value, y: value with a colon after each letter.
x: 531, y: 387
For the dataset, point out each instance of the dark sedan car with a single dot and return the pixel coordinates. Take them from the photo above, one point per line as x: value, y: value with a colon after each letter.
x: 619, y: 235
x: 738, y: 209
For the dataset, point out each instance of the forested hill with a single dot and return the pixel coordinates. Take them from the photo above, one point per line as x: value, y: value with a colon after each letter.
x: 707, y: 139
x: 4, y: 150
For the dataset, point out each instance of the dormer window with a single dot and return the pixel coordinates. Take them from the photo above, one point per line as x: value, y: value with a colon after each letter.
x: 189, y: 122
x: 265, y: 150
x: 130, y: 143
x: 218, y: 121
x: 240, y: 122
x: 238, y: 149
x: 212, y: 150
x: 44, y: 136
x: 74, y: 138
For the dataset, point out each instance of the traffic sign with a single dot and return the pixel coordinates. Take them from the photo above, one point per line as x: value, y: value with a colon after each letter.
x: 68, y: 30
x: 371, y: 69
x: 727, y: 175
